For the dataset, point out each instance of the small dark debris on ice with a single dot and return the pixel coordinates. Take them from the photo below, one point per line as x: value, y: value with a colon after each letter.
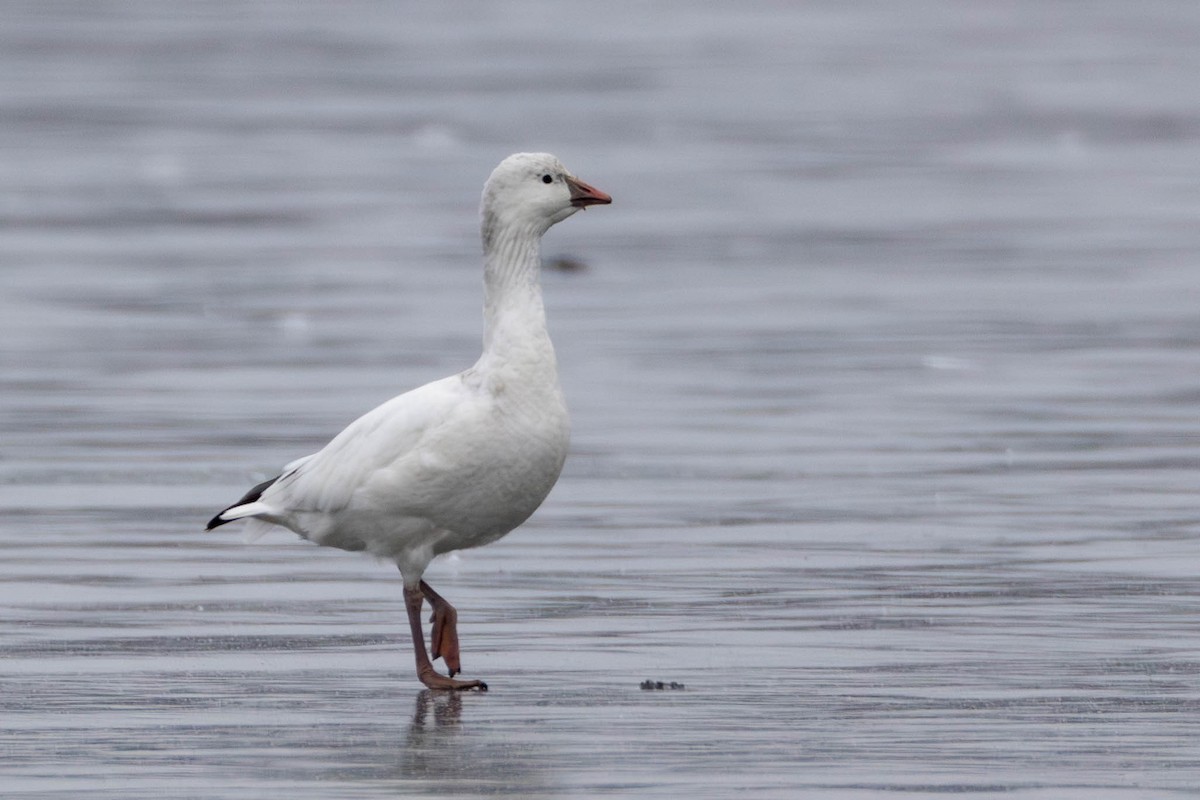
x: 656, y: 685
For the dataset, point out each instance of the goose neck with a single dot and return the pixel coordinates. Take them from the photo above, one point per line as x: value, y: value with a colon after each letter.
x: 514, y: 316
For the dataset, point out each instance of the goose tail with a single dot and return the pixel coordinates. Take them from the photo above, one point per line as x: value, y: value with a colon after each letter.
x: 249, y: 506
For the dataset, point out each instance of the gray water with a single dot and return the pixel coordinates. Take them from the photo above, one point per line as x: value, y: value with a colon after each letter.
x: 884, y: 368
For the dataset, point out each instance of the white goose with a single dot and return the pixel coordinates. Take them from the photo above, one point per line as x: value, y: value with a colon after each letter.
x: 461, y: 461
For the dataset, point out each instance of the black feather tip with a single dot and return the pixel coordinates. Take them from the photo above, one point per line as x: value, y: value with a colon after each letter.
x: 249, y: 497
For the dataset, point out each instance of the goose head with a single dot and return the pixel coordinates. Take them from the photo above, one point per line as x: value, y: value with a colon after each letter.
x: 533, y: 191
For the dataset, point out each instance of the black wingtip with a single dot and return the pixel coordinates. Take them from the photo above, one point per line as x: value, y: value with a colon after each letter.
x: 249, y: 497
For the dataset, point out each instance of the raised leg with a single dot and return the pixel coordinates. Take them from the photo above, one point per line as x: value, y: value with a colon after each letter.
x: 413, y: 598
x: 443, y: 639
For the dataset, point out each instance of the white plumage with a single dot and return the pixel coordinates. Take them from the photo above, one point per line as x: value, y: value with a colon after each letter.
x: 461, y: 461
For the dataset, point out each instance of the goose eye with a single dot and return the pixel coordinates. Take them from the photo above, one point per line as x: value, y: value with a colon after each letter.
x: 547, y: 179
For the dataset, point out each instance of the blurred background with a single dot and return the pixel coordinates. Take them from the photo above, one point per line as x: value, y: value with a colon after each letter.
x: 883, y: 367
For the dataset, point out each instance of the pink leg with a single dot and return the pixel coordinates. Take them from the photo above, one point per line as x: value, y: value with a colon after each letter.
x: 413, y: 598
x: 443, y: 639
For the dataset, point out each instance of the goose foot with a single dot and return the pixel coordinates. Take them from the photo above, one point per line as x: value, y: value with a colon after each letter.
x: 414, y: 596
x: 443, y: 638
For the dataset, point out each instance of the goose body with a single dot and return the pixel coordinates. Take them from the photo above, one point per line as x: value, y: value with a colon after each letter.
x: 461, y: 461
